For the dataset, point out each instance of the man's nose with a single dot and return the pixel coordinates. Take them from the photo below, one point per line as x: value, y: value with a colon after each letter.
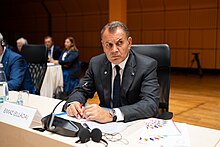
x: 114, y: 48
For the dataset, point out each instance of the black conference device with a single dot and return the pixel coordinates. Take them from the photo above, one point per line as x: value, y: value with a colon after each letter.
x: 61, y: 126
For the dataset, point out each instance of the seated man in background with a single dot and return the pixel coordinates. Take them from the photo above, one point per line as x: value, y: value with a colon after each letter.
x: 20, y: 42
x: 16, y: 69
x: 125, y: 81
x: 54, y: 51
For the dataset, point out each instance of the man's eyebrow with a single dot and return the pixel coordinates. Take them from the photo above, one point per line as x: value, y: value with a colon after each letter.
x: 119, y: 39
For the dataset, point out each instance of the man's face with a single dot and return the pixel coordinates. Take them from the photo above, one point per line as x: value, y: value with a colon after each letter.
x: 1, y: 50
x: 116, y: 45
x: 48, y: 43
x: 19, y: 45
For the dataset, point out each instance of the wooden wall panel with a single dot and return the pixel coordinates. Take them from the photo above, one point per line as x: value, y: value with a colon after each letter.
x: 196, y: 39
x: 153, y: 20
x: 55, y: 7
x: 92, y: 23
x: 134, y: 21
x: 209, y: 39
x: 59, y: 24
x: 136, y: 37
x: 177, y: 38
x: 177, y: 20
x: 78, y: 36
x: 218, y: 59
x: 133, y: 6
x: 41, y: 24
x: 152, y: 5
x: 203, y: 19
x: 90, y: 51
x: 218, y: 18
x: 203, y: 39
x: 179, y: 57
x: 91, y: 39
x: 153, y: 37
x: 203, y: 3
x: 59, y: 38
x: 176, y: 4
x: 218, y: 36
x: 186, y: 25
x: 75, y: 23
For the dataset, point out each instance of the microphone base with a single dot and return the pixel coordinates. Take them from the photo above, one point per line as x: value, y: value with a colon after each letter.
x: 62, y: 126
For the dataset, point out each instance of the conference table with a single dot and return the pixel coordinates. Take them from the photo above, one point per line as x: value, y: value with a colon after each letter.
x: 12, y: 135
x: 53, y: 78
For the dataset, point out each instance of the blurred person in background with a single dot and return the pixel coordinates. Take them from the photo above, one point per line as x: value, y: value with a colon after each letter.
x: 53, y: 50
x: 20, y: 42
x: 69, y: 60
x: 16, y: 69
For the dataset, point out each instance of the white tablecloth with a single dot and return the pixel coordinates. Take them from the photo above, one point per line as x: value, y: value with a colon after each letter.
x: 52, y: 79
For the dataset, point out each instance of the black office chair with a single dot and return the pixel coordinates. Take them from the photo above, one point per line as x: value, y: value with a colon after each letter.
x: 161, y: 53
x: 36, y: 56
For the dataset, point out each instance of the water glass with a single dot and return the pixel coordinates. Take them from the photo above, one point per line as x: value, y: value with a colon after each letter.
x: 23, y: 97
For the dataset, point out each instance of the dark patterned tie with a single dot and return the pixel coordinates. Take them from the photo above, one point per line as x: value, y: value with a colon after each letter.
x: 117, y: 89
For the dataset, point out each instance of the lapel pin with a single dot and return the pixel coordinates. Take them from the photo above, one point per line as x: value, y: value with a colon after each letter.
x: 132, y: 73
x: 105, y: 72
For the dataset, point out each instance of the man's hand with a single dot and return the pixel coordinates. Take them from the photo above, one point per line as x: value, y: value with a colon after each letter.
x: 75, y: 109
x: 96, y: 113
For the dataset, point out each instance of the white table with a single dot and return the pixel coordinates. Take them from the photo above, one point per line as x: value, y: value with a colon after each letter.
x: 52, y: 79
x: 11, y: 136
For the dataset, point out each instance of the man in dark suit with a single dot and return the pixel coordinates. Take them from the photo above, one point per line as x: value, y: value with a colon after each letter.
x: 16, y: 69
x: 53, y: 50
x: 137, y: 96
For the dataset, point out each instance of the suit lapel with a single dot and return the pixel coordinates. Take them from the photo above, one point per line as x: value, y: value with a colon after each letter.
x: 106, y: 74
x: 5, y: 59
x: 128, y: 77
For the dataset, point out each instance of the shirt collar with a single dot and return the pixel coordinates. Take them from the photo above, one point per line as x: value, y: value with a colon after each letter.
x: 122, y: 64
x: 4, y: 48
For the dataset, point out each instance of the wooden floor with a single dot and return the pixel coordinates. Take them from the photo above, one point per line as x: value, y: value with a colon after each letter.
x: 194, y: 100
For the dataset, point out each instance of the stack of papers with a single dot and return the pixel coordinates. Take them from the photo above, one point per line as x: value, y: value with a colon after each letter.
x: 158, y: 132
x: 110, y: 128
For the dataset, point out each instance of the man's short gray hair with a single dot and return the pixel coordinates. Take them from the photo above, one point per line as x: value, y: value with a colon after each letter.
x: 1, y: 37
x: 23, y: 41
x: 112, y: 27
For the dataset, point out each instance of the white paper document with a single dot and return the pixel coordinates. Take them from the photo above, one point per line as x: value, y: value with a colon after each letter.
x: 113, y: 127
x: 166, y: 133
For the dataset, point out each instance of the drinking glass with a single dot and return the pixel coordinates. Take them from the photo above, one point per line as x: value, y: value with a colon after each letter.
x: 23, y: 97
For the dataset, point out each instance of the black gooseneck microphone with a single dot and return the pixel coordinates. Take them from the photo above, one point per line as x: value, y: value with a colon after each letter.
x: 59, y: 125
x: 52, y: 115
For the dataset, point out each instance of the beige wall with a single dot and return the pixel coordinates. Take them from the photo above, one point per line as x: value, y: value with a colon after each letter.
x: 186, y: 25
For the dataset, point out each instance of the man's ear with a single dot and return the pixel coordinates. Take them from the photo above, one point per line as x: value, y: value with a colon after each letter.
x: 129, y: 42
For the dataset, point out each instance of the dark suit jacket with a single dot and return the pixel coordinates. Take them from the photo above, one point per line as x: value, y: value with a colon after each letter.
x: 56, y: 52
x: 71, y: 70
x: 16, y: 72
x: 71, y: 63
x: 140, y: 88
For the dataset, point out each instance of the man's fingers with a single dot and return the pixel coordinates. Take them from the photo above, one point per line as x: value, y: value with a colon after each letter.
x: 71, y: 110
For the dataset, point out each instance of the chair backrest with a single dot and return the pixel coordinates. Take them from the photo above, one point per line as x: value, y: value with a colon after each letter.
x: 161, y: 53
x: 36, y: 56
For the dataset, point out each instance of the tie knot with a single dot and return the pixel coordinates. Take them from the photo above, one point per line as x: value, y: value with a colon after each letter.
x: 117, y: 68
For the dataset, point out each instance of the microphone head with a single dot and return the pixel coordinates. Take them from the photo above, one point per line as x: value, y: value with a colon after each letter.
x: 96, y: 135
x: 84, y: 135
